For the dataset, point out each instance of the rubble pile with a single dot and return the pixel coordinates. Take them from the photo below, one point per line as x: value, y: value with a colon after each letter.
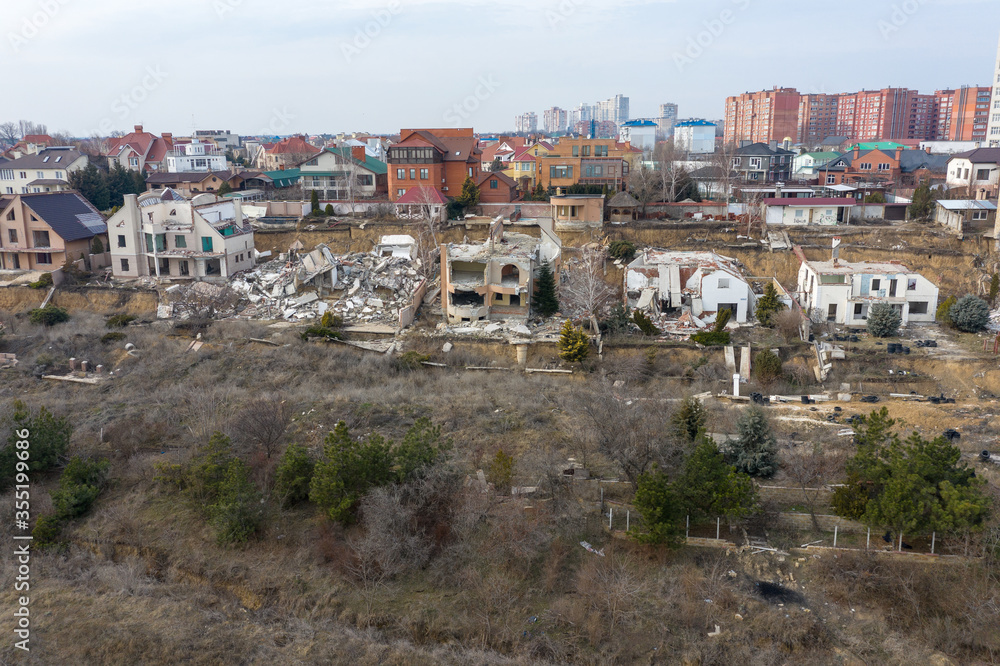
x: 358, y: 287
x: 199, y: 299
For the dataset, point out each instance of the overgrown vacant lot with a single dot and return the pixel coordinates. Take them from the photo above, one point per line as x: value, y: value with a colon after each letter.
x: 431, y: 569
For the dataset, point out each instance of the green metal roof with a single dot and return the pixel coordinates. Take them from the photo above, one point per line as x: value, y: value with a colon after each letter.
x: 821, y: 155
x: 284, y: 178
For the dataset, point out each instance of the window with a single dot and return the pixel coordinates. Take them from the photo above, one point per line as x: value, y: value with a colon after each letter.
x: 44, y: 258
x: 180, y: 241
x: 736, y: 161
x: 723, y: 283
x: 980, y: 215
x: 12, y: 235
x: 365, y: 179
x: 831, y: 180
x: 206, y: 243
x: 800, y: 213
x: 754, y: 162
x: 24, y: 174
x: 425, y: 174
x: 400, y: 193
x: 401, y: 174
x: 918, y: 308
x: 586, y: 151
x: 40, y: 174
x: 560, y: 172
x: 40, y: 239
x: 10, y: 215
x: 59, y: 175
x: 831, y: 312
x: 121, y: 240
x: 493, y: 184
x: 982, y: 174
x: 911, y: 284
x: 6, y: 174
x: 576, y: 151
x: 133, y: 162
x: 470, y: 172
x: 876, y: 284
x: 124, y: 265
x: 600, y: 151
x: 10, y: 190
x: 859, y: 309
x: 884, y: 166
x: 865, y: 166
x: 413, y: 174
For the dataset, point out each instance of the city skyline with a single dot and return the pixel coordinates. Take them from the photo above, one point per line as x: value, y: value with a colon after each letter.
x: 172, y: 68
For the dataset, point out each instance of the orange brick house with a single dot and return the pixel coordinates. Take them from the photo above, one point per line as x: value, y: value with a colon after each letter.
x: 602, y: 162
x: 438, y: 158
x: 496, y: 187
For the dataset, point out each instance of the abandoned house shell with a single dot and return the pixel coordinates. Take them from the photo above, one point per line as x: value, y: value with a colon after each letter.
x: 495, y: 279
x: 166, y: 236
x: 696, y: 282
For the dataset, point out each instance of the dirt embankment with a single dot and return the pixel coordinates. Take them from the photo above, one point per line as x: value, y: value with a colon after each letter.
x: 92, y: 299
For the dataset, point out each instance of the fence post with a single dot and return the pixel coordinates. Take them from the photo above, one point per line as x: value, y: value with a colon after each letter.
x: 611, y: 516
x: 687, y: 527
x: 868, y: 542
x: 933, y: 538
x: 628, y: 514
x: 901, y: 541
x: 718, y: 521
x: 835, y: 536
x: 602, y: 495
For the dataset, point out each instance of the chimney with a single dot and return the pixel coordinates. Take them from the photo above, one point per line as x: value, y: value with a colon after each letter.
x: 358, y: 153
x: 779, y: 189
x: 857, y: 152
x: 899, y: 153
x: 238, y: 210
x: 773, y: 144
x: 138, y: 129
x: 168, y: 136
x: 836, y: 251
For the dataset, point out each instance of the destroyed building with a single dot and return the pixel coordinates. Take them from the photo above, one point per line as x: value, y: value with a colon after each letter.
x: 495, y: 279
x: 383, y: 287
x: 688, y: 286
x: 164, y: 235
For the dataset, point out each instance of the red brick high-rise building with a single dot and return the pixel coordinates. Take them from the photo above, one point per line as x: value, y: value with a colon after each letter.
x: 769, y: 115
x: 964, y: 113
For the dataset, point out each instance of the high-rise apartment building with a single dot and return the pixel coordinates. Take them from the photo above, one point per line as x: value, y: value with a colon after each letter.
x: 964, y: 114
x: 666, y: 120
x: 614, y: 109
x: 555, y: 119
x: 769, y: 115
x: 817, y: 117
x: 526, y: 123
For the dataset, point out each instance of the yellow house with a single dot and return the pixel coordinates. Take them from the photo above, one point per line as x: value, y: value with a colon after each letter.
x: 523, y: 167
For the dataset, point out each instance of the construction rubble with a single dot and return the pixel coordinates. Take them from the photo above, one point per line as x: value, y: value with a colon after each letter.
x: 361, y: 288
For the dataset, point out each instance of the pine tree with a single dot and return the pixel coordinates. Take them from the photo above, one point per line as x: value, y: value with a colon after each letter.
x: 755, y: 449
x: 922, y: 204
x: 224, y: 189
x: 689, y: 419
x: 970, y: 314
x: 470, y: 193
x: 540, y: 193
x: 766, y: 367
x: 314, y: 201
x: 994, y: 289
x: 574, y: 345
x: 661, y: 509
x: 883, y: 320
x: 293, y: 474
x: 708, y: 487
x: 544, y: 302
x: 768, y: 305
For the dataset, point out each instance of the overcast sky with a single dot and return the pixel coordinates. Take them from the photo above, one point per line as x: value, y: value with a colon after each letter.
x: 256, y: 66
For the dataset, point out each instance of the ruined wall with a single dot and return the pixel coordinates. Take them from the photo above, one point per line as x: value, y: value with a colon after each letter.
x: 92, y: 299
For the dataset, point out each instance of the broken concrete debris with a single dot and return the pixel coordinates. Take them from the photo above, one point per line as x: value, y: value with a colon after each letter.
x: 358, y: 287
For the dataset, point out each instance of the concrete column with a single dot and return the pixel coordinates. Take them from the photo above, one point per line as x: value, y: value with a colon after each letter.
x: 522, y: 356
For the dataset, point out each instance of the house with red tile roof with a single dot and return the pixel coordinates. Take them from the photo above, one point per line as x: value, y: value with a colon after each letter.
x: 437, y: 158
x: 423, y: 202
x: 287, y: 153
x: 139, y: 150
x: 31, y: 144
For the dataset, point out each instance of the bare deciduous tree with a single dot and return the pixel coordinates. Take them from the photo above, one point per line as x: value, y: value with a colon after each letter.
x: 726, y: 175
x: 634, y: 433
x: 585, y: 292
x: 10, y: 133
x: 611, y: 587
x: 262, y: 423
x: 810, y: 465
x: 644, y: 185
x: 670, y: 159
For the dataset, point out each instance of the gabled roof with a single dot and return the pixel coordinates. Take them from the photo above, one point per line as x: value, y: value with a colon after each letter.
x: 524, y: 155
x: 499, y: 175
x: 295, y: 145
x: 980, y: 156
x: 282, y: 177
x: 376, y: 166
x: 38, y: 138
x: 50, y: 158
x: 761, y: 149
x: 912, y: 160
x: 67, y: 214
x: 422, y: 194
x: 453, y: 149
